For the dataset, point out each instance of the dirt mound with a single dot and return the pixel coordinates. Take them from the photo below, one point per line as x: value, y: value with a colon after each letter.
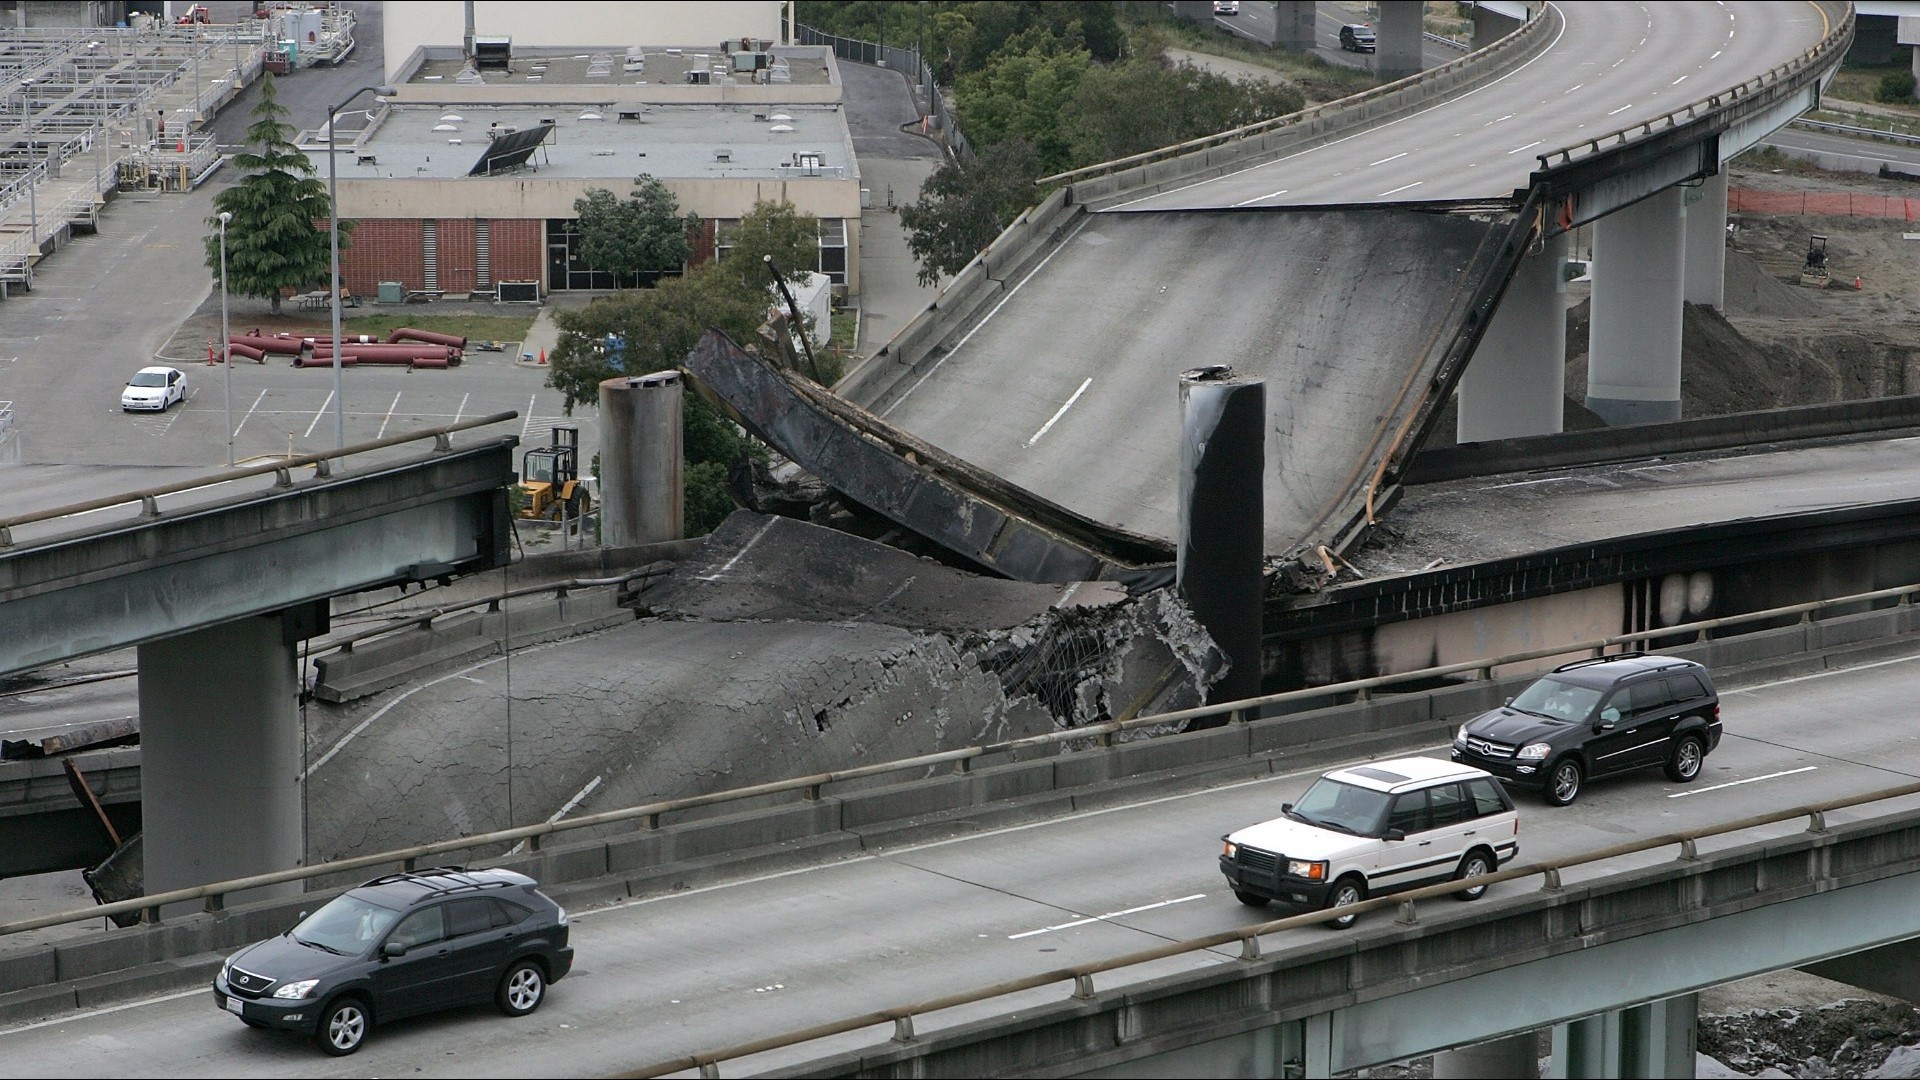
x: 1756, y: 290
x: 1846, y: 1038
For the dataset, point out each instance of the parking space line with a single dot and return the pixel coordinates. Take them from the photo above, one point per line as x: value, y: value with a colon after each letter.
x: 388, y: 419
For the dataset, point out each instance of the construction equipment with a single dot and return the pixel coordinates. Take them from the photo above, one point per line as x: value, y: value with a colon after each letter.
x: 550, y: 487
x: 1815, y: 272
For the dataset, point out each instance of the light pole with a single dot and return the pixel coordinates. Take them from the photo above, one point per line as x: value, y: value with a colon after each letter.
x: 333, y: 241
x: 226, y: 336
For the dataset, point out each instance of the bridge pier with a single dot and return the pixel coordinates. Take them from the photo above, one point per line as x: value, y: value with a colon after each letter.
x: 1397, y: 39
x: 642, y: 461
x: 1293, y: 25
x: 1515, y: 1057
x: 1657, y: 1039
x: 220, y: 754
x: 1893, y: 970
x: 1223, y: 428
x: 1706, y: 242
x: 1633, y: 345
x: 1515, y: 384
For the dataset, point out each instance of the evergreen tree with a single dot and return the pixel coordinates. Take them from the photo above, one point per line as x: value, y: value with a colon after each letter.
x: 643, y: 234
x: 273, y: 241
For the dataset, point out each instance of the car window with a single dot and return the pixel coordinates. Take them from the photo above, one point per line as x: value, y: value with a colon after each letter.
x: 346, y: 924
x: 1686, y: 686
x: 148, y: 378
x: 1556, y: 699
x: 423, y: 927
x: 505, y: 914
x: 1486, y: 797
x: 1410, y: 813
x: 1650, y: 696
x: 1353, y: 809
x: 1448, y: 805
x: 469, y: 916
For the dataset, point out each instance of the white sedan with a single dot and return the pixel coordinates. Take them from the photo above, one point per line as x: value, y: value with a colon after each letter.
x: 155, y: 388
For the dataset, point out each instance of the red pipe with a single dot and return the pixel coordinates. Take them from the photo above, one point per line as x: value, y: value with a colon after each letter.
x: 400, y: 353
x: 287, y: 346
x: 408, y: 333
x: 347, y: 360
x: 246, y: 351
x: 431, y: 362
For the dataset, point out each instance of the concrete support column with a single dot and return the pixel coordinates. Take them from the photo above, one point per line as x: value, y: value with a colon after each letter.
x: 1657, y: 1039
x: 1398, y: 41
x: 220, y: 757
x: 1633, y: 346
x: 1515, y: 384
x: 642, y: 470
x: 1707, y: 242
x: 1516, y: 1057
x: 1222, y: 517
x: 1490, y: 26
x: 1893, y: 969
x: 1293, y: 25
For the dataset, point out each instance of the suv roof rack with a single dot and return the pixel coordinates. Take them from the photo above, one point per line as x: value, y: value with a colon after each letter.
x: 444, y: 879
x: 1591, y: 660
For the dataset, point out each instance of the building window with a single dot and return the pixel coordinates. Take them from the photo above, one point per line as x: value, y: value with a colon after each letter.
x: 833, y: 245
x: 567, y: 269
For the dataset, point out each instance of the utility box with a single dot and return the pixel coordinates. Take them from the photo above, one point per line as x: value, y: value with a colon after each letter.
x: 518, y: 292
x: 393, y: 292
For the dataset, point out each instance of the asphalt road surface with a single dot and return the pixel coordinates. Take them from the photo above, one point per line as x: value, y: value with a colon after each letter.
x: 710, y: 967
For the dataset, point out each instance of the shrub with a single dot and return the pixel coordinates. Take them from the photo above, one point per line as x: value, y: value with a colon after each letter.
x: 1895, y: 86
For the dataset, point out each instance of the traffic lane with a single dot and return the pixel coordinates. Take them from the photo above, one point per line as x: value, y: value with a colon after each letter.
x: 1904, y: 158
x: 1601, y: 74
x: 714, y: 966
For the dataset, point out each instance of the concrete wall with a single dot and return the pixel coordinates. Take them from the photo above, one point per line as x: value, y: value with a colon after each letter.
x: 607, y: 24
x: 540, y: 197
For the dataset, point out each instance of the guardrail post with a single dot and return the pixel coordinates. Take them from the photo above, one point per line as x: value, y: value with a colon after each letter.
x: 1407, y: 916
x: 282, y: 478
x: 963, y: 766
x: 652, y: 821
x: 323, y: 468
x: 1550, y: 880
x: 811, y: 793
x: 903, y: 1029
x: 711, y: 1070
x: 149, y: 506
x: 1083, y: 987
x: 1250, y: 947
x: 1816, y: 821
x: 216, y: 902
x: 150, y: 915
x: 1688, y: 851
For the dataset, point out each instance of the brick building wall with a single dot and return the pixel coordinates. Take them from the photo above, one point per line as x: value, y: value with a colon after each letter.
x: 392, y: 249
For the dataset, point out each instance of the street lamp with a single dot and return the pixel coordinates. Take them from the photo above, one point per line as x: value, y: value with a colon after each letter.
x: 226, y: 335
x: 333, y: 240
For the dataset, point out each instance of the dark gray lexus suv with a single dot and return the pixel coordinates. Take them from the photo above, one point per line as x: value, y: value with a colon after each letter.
x: 398, y: 946
x: 1594, y: 717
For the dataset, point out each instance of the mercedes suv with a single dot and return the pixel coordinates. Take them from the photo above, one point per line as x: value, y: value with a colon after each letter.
x: 1374, y: 828
x: 398, y: 946
x: 1608, y: 714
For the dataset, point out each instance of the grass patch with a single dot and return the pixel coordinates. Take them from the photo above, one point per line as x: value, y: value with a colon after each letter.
x: 1318, y: 80
x: 1773, y: 159
x: 473, y: 327
x: 1861, y: 82
x: 1897, y: 125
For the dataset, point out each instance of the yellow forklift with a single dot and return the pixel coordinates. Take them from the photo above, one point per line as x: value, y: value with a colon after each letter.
x: 550, y: 487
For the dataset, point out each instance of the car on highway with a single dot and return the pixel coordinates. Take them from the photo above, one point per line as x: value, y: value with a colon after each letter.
x: 1607, y: 714
x: 398, y: 946
x: 1376, y: 828
x: 1357, y: 37
x: 1226, y: 7
x: 154, y: 388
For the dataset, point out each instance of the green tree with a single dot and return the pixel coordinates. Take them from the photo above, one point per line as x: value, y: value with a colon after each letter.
x: 272, y: 241
x: 1023, y: 94
x: 645, y: 233
x: 779, y: 230
x: 965, y: 204
x: 1144, y: 104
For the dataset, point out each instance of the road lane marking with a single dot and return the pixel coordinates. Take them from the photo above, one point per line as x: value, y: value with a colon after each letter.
x: 1262, y: 198
x: 1737, y: 783
x: 1620, y: 110
x: 567, y: 808
x: 738, y: 555
x: 1490, y: 123
x: 1384, y: 160
x: 1678, y: 81
x: 1057, y: 415
x: 1104, y: 918
x: 1529, y: 146
x: 1571, y: 89
x: 1400, y: 189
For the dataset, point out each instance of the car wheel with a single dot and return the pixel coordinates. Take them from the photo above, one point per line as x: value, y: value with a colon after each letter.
x: 521, y: 989
x: 1346, y: 892
x: 1684, y: 765
x: 343, y: 1027
x: 1476, y: 864
x: 1249, y: 899
x: 1563, y: 782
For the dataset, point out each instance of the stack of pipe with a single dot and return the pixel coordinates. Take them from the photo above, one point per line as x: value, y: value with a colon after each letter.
x: 408, y: 333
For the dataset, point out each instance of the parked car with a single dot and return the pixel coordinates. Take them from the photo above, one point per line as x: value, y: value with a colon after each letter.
x: 398, y: 946
x: 1357, y: 37
x: 1593, y: 717
x: 154, y: 388
x: 1371, y: 829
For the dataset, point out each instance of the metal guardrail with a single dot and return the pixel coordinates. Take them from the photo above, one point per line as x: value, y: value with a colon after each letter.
x: 1248, y: 937
x: 322, y: 463
x: 649, y: 814
x: 1519, y: 37
x: 1828, y: 45
x: 1858, y: 132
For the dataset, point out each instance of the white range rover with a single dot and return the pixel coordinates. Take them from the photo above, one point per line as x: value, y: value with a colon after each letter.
x: 1375, y: 828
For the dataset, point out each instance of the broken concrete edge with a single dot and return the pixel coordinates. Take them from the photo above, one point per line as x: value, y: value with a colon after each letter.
x: 1325, y: 123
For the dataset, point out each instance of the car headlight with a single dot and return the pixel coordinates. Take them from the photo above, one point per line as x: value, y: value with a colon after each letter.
x: 296, y: 989
x: 1231, y: 849
x: 1534, y: 751
x: 1312, y: 871
x: 1460, y: 735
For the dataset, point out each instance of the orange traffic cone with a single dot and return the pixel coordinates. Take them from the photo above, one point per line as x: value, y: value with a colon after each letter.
x: 543, y: 356
x: 212, y: 357
x: 1856, y: 281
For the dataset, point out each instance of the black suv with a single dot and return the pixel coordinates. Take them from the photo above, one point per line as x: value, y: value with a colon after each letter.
x: 1357, y: 37
x: 399, y: 946
x: 1594, y: 717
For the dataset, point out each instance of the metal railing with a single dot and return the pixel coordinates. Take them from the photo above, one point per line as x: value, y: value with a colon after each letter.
x: 282, y: 468
x: 1854, y: 132
x: 1248, y: 937
x: 809, y: 787
x: 1832, y: 43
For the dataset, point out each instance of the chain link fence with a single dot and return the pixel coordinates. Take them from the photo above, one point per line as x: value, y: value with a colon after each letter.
x: 940, y: 122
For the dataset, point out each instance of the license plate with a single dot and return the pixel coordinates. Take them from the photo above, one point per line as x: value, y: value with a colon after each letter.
x: 234, y: 1006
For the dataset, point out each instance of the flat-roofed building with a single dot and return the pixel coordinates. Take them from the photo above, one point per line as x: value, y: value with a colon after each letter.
x: 467, y: 178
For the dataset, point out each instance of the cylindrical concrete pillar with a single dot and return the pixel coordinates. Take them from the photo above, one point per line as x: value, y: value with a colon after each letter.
x: 1293, y: 25
x: 642, y: 470
x: 1516, y: 1057
x: 1633, y: 345
x: 1223, y: 517
x: 1399, y: 40
x: 220, y: 757
x: 1516, y: 382
x: 1706, y: 243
